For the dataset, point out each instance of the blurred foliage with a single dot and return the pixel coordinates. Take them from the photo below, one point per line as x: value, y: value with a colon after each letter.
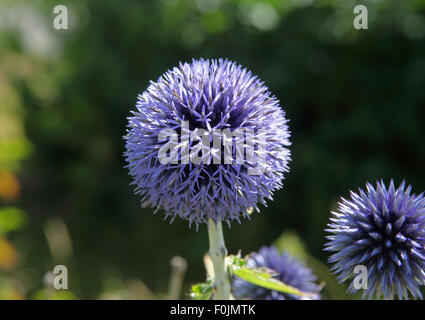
x: 11, y: 219
x: 354, y: 99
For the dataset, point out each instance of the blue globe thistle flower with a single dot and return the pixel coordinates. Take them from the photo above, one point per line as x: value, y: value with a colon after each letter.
x: 289, y: 270
x: 383, y: 230
x: 202, y: 98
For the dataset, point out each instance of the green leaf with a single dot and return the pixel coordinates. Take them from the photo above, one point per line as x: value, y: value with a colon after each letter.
x: 201, y: 291
x: 262, y: 277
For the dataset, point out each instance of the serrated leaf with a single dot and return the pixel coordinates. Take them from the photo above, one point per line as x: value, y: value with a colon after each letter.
x: 262, y: 277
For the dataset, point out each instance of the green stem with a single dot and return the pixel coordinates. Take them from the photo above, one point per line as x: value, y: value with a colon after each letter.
x: 218, y: 253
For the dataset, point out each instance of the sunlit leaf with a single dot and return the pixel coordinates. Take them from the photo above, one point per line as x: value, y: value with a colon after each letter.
x: 262, y: 277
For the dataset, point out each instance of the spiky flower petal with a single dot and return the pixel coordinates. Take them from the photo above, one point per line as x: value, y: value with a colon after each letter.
x: 383, y: 230
x: 289, y: 270
x: 208, y: 95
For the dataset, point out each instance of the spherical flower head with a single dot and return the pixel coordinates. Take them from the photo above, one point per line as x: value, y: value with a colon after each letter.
x: 288, y: 270
x: 177, y: 169
x: 383, y: 230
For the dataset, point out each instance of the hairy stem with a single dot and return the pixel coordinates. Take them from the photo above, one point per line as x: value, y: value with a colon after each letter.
x: 218, y: 253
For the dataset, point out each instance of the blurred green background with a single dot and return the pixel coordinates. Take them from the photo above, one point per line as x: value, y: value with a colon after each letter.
x: 355, y: 100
